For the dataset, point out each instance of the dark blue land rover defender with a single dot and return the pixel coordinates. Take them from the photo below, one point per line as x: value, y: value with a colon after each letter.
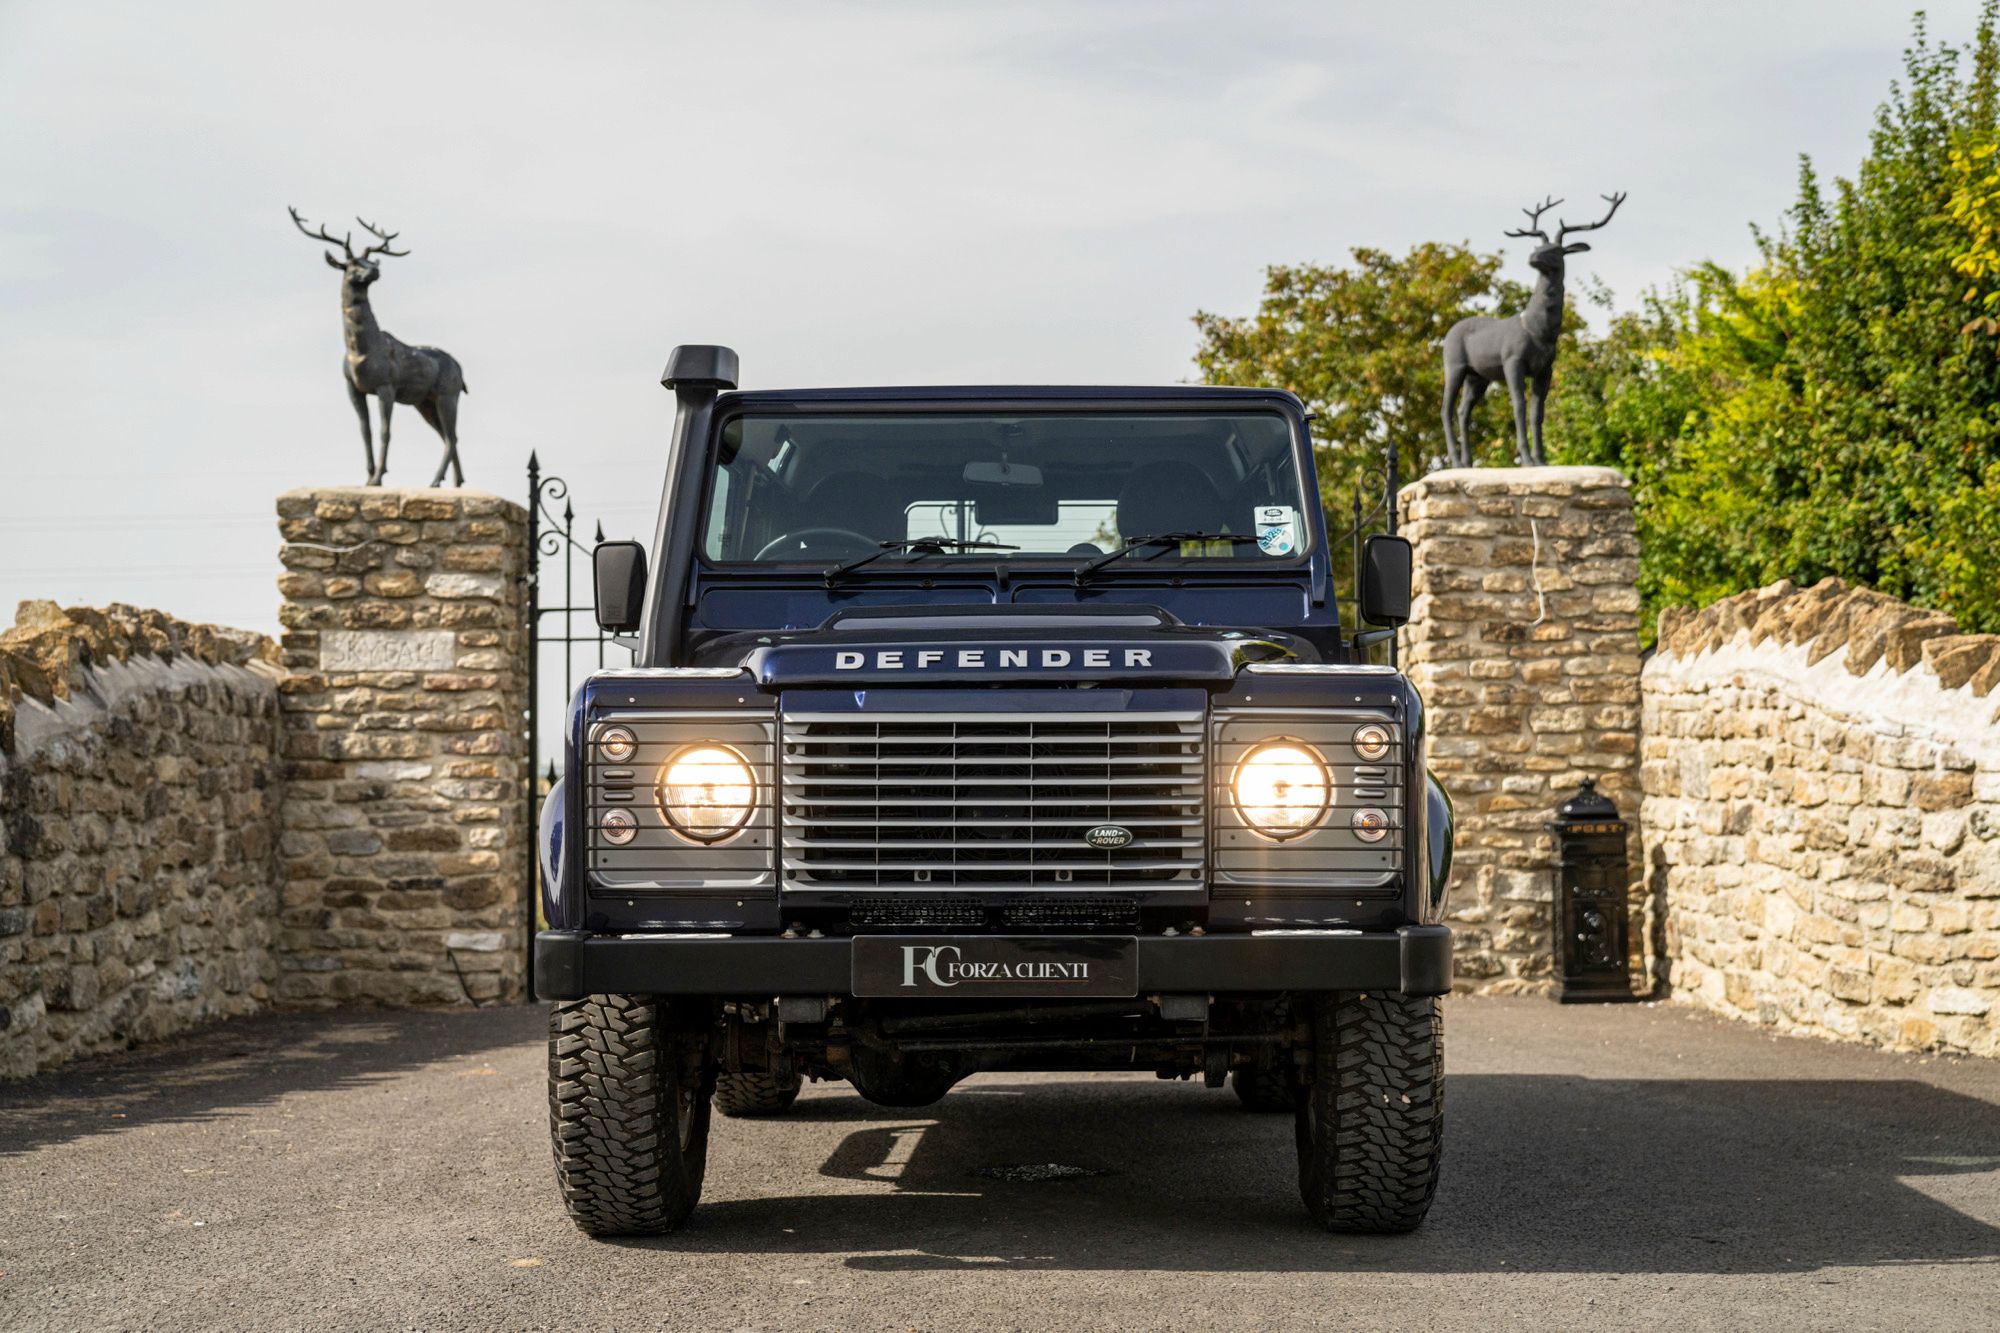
x: 991, y: 728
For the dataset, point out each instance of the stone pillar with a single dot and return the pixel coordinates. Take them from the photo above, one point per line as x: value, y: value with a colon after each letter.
x: 1525, y: 645
x: 405, y: 846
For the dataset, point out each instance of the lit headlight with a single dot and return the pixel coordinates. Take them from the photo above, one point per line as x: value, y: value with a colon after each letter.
x: 1282, y: 789
x: 707, y: 792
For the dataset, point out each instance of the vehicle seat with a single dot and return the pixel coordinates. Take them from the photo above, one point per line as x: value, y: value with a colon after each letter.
x: 858, y: 501
x: 1171, y: 497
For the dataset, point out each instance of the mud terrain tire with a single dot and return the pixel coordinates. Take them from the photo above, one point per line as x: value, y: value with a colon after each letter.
x: 751, y: 1095
x: 1371, y: 1123
x: 1263, y: 1087
x: 628, y: 1113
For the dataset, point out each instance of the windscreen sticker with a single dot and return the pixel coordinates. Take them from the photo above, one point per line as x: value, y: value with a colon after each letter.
x: 1277, y: 529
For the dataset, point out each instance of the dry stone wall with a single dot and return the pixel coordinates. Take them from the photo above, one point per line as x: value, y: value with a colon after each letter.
x: 405, y: 835
x: 139, y: 800
x: 1524, y: 643
x: 1822, y: 815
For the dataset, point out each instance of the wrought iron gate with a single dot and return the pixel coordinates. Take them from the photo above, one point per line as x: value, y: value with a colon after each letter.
x: 1372, y: 510
x: 552, y: 538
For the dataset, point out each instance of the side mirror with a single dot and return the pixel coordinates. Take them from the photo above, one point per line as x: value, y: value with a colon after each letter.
x: 1385, y: 580
x: 620, y: 572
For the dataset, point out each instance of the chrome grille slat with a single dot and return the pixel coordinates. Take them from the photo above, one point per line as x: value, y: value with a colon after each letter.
x: 971, y: 845
x: 1151, y: 821
x: 914, y: 781
x: 991, y: 801
x: 928, y: 802
x: 1000, y: 761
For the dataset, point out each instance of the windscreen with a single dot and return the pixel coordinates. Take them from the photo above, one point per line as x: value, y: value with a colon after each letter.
x: 1171, y: 486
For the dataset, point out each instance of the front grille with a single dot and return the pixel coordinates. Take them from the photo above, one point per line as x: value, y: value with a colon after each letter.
x: 921, y: 801
x: 910, y: 911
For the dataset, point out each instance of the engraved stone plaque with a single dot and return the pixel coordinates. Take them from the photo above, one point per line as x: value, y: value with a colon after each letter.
x: 387, y: 650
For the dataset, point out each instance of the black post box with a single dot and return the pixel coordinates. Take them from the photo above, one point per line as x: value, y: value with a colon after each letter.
x: 1592, y: 874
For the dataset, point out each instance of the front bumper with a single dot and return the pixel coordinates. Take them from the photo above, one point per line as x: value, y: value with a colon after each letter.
x: 1415, y: 960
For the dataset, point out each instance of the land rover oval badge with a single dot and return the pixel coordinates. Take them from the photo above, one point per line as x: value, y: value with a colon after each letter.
x: 1109, y: 837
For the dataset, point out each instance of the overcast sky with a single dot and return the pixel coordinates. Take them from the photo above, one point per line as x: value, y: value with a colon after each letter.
x: 845, y: 193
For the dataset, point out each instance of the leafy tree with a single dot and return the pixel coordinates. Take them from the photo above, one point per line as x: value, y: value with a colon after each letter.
x: 1360, y: 345
x: 1834, y: 410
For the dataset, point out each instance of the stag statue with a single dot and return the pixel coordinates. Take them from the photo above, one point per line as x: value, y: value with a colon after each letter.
x: 379, y: 366
x: 1521, y: 350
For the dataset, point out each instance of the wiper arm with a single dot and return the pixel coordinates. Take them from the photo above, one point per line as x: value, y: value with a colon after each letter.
x: 927, y: 545
x: 1161, y: 539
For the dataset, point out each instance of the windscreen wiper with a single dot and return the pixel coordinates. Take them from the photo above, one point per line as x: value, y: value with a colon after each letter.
x: 1161, y: 539
x: 924, y: 545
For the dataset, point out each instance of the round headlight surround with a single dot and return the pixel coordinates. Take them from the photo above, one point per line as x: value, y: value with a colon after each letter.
x: 1372, y: 741
x: 730, y: 786
x: 1294, y: 782
x: 617, y: 744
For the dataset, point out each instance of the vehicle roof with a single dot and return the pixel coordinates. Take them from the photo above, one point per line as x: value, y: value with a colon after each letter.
x: 1178, y: 394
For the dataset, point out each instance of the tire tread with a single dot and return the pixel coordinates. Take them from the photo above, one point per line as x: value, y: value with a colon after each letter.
x: 755, y: 1093
x: 1371, y: 1129
x: 618, y: 1157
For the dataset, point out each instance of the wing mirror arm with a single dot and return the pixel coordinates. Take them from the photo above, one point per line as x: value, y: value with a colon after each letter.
x: 618, y: 570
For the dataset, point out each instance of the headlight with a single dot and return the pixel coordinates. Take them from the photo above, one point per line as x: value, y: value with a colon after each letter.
x: 1371, y: 741
x: 1282, y: 789
x: 617, y: 744
x: 707, y: 792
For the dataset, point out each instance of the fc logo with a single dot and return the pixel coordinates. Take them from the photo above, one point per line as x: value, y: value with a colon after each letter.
x: 929, y: 965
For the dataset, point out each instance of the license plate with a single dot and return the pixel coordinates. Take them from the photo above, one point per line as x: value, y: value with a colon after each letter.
x: 975, y: 965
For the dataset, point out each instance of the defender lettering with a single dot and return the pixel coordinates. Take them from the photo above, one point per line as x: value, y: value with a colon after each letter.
x: 975, y: 659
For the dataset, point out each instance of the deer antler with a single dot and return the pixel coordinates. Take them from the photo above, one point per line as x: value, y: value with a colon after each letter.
x: 384, y: 236
x: 321, y: 234
x: 1563, y: 228
x: 1534, y: 227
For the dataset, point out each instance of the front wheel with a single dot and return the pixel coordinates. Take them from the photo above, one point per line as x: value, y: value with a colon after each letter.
x: 628, y: 1112
x: 1371, y: 1122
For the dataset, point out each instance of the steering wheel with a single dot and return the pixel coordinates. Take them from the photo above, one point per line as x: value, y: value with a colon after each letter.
x: 818, y: 541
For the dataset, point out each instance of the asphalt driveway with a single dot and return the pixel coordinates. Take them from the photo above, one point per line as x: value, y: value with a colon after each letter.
x: 1611, y: 1165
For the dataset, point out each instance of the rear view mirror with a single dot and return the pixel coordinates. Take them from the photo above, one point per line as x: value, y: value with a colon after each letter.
x: 620, y: 572
x: 1003, y: 473
x: 1385, y: 580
